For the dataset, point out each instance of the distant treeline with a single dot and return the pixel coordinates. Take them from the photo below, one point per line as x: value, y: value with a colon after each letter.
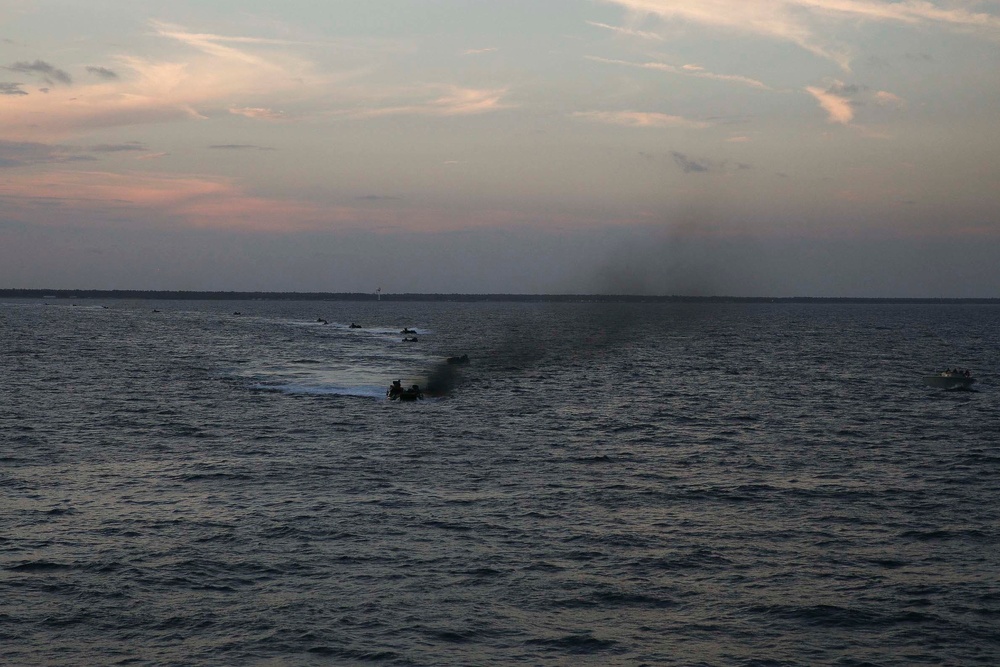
x: 359, y: 296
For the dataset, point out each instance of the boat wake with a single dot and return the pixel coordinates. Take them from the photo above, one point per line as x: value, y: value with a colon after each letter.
x: 331, y: 390
x: 312, y: 358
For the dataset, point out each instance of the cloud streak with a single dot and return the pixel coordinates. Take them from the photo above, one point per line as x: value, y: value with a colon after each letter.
x: 690, y: 165
x: 103, y: 73
x: 841, y: 100
x: 685, y: 70
x: 128, y: 147
x: 171, y: 202
x: 239, y: 147
x: 640, y: 119
x: 438, y: 100
x: 807, y: 23
x: 215, y: 72
x: 628, y: 32
x: 837, y: 107
x: 12, y: 89
x: 25, y: 153
x: 192, y: 201
x: 701, y: 165
x: 258, y: 113
x: 215, y: 45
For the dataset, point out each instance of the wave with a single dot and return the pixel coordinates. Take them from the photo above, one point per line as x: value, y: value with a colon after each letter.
x: 575, y: 643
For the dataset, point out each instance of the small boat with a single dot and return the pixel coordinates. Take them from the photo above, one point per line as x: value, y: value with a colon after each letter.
x: 407, y: 395
x: 456, y: 361
x: 397, y: 393
x: 950, y: 380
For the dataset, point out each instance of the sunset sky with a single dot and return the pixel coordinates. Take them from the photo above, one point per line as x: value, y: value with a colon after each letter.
x: 700, y: 147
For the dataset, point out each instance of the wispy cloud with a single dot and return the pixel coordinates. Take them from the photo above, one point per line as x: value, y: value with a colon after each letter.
x: 690, y: 165
x: 478, y: 52
x: 841, y: 100
x: 211, y: 74
x: 436, y: 100
x: 684, y: 70
x: 628, y: 32
x: 63, y: 113
x: 240, y: 147
x: 906, y: 11
x: 701, y: 165
x: 131, y: 146
x: 215, y: 45
x: 12, y: 89
x: 209, y: 77
x: 837, y: 107
x: 103, y: 72
x: 640, y: 119
x: 377, y: 198
x: 192, y: 201
x: 170, y: 201
x: 461, y: 101
x: 258, y: 113
x: 27, y: 153
x: 42, y: 70
x: 806, y: 23
x: 887, y: 99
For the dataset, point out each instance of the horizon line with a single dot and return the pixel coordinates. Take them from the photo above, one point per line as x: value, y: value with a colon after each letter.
x: 234, y: 295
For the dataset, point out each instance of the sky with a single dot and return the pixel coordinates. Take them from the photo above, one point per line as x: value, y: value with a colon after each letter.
x: 840, y: 148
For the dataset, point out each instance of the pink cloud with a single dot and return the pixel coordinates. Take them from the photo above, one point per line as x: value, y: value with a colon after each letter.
x: 104, y: 199
x: 640, y: 119
x: 258, y: 113
x: 838, y: 108
x: 209, y: 73
x: 439, y: 100
x: 67, y: 112
x: 887, y: 99
x: 65, y: 197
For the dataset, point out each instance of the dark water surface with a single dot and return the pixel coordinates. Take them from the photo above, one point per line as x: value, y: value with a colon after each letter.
x: 670, y: 484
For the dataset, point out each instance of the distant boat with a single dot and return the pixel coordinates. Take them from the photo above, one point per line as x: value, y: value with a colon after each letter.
x: 950, y: 380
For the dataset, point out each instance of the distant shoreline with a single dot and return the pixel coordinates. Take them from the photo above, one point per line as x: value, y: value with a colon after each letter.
x: 167, y: 295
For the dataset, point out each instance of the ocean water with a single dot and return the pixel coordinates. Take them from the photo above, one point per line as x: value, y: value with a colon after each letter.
x: 614, y: 484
